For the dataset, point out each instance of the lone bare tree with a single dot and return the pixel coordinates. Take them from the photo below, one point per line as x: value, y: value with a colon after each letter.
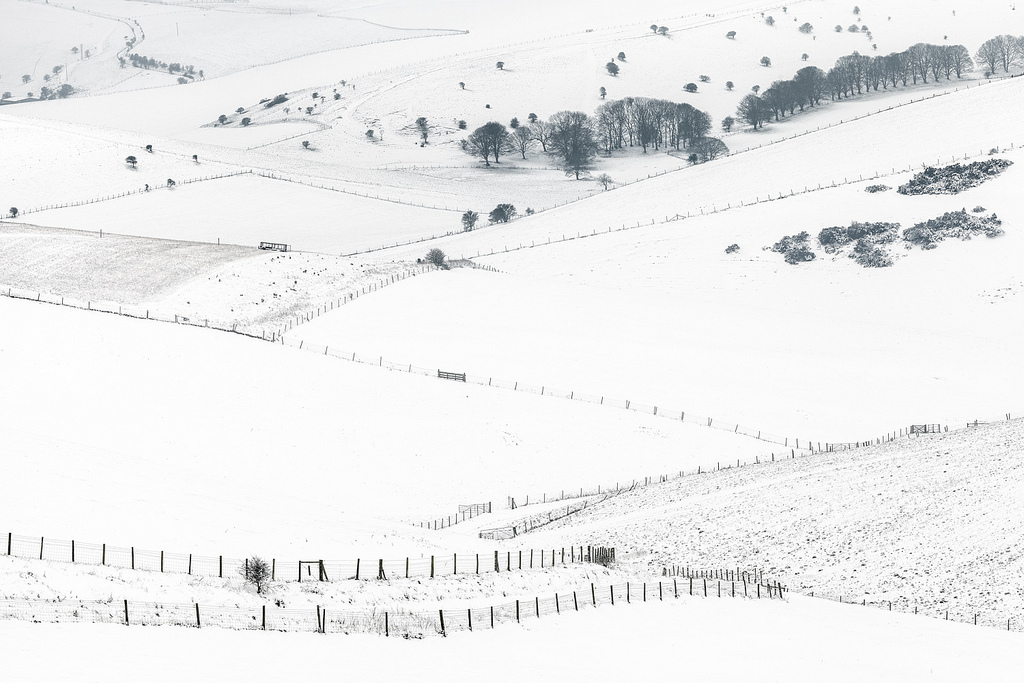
x: 256, y: 571
x: 469, y: 220
x: 437, y: 258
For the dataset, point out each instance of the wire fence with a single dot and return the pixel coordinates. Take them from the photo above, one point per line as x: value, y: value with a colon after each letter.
x: 466, y: 512
x: 537, y: 521
x: 941, y: 611
x: 360, y: 569
x: 379, y: 620
x: 248, y: 330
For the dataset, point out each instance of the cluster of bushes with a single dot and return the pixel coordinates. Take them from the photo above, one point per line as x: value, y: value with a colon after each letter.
x: 732, y: 249
x: 958, y: 224
x: 862, y: 241
x: 869, y: 244
x: 794, y: 248
x: 954, y: 178
x: 876, y: 188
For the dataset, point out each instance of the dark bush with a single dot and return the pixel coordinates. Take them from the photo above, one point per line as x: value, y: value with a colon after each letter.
x: 794, y: 248
x: 959, y: 224
x: 277, y: 100
x: 799, y: 255
x: 877, y: 188
x: 954, y: 178
x: 868, y: 255
x: 732, y: 248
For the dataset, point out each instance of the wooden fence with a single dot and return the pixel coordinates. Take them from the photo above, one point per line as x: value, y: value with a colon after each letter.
x: 382, y: 621
x: 465, y: 512
x: 433, y: 566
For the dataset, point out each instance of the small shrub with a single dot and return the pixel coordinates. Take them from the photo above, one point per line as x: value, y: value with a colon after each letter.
x: 690, y: 87
x: 994, y: 150
x: 870, y: 256
x: 462, y: 124
x: 979, y: 209
x: 729, y: 85
x: 731, y: 35
x: 704, y: 79
x: 732, y: 249
x: 246, y: 121
x: 256, y: 571
x: 877, y: 188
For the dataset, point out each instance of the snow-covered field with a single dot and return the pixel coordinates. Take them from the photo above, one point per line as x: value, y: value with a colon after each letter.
x: 172, y: 437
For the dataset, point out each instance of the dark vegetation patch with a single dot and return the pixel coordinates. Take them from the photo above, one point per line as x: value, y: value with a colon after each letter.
x: 955, y: 178
x: 794, y: 248
x: 954, y: 224
x: 877, y: 188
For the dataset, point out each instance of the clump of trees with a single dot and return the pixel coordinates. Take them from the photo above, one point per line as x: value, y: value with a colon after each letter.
x: 278, y: 99
x: 502, y: 213
x: 647, y: 122
x: 1005, y: 50
x: 489, y: 140
x: 806, y: 27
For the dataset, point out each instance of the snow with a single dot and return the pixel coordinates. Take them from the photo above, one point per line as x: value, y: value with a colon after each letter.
x: 810, y: 640
x: 174, y: 396
x: 133, y: 432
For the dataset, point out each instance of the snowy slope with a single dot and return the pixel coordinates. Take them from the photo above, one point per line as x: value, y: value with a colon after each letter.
x: 810, y: 640
x: 929, y: 522
x: 242, y: 445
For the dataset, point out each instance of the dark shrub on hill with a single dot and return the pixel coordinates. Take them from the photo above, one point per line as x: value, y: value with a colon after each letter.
x: 877, y: 188
x: 277, y: 100
x: 959, y: 224
x: 794, y: 248
x: 954, y: 178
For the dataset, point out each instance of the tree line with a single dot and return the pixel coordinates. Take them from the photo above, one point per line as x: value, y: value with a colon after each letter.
x: 855, y: 74
x: 574, y: 137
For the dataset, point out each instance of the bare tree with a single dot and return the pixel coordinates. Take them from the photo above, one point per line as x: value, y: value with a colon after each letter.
x: 573, y: 139
x: 605, y: 180
x: 489, y: 140
x: 707, y: 149
x: 522, y: 139
x: 256, y: 571
x: 437, y: 258
x: 421, y: 124
x: 469, y: 220
x: 752, y: 110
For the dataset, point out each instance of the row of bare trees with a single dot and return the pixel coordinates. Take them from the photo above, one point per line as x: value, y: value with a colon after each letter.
x: 1005, y: 51
x: 855, y: 74
x: 647, y: 122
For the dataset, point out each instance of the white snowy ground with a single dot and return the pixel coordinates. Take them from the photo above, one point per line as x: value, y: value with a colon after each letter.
x: 660, y: 315
x: 929, y: 522
x: 708, y: 640
x: 193, y: 440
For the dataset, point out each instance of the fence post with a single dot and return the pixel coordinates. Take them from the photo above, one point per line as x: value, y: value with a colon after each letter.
x: 593, y: 595
x: 72, y: 550
x: 431, y: 566
x: 133, y: 557
x: 9, y: 535
x: 220, y: 568
x: 41, y: 539
x: 517, y: 611
x: 126, y: 622
x: 198, y: 625
x: 103, y: 561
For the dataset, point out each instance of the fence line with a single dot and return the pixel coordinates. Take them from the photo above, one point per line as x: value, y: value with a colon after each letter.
x: 219, y: 566
x: 386, y: 622
x: 466, y: 512
x: 143, y: 313
x: 537, y: 521
x: 977, y: 618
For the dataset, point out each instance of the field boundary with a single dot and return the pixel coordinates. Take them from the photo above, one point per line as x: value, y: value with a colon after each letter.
x: 399, y: 623
x: 219, y: 566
